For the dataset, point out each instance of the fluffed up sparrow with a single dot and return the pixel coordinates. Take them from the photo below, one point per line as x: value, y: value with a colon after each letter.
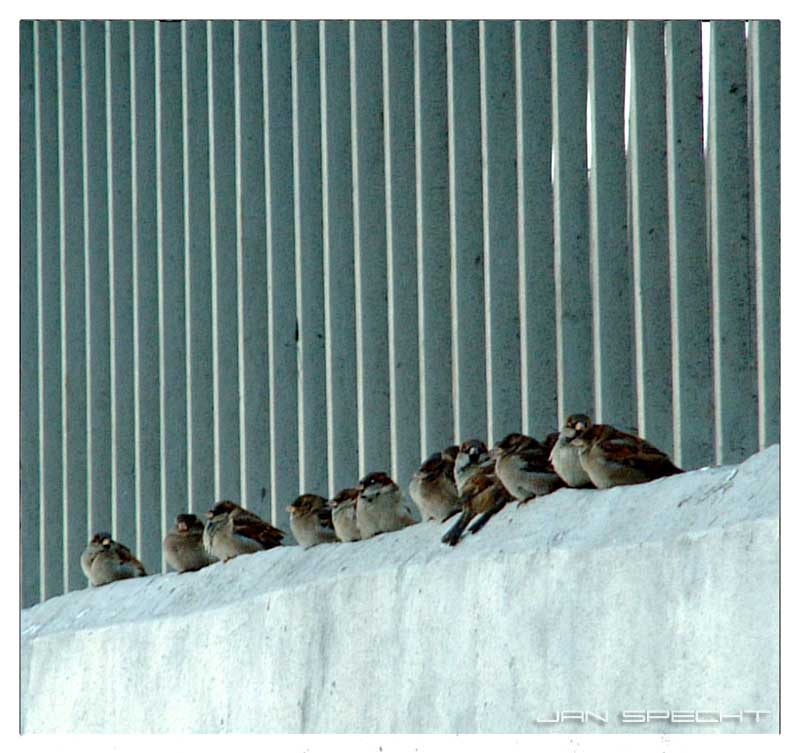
x: 231, y: 530
x: 380, y: 506
x: 433, y: 486
x: 613, y: 458
x: 105, y: 560
x: 310, y: 521
x: 565, y: 456
x: 343, y: 508
x: 523, y: 466
x: 183, y: 545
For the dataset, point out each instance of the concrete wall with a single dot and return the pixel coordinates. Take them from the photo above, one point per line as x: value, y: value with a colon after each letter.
x: 657, y: 597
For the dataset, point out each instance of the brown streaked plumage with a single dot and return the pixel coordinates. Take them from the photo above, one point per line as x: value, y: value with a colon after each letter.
x: 483, y: 496
x: 311, y: 521
x: 183, y: 545
x: 105, y: 560
x: 231, y: 530
x: 612, y: 457
x: 433, y: 487
x: 523, y: 466
x: 473, y: 456
x: 380, y: 506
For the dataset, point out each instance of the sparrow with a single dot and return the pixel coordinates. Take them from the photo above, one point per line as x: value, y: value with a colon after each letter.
x: 611, y: 457
x: 183, y: 545
x: 231, y: 530
x: 105, y: 560
x: 483, y: 495
x: 433, y: 486
x: 380, y: 506
x: 310, y: 521
x: 343, y: 508
x: 523, y: 467
x: 473, y: 455
x: 565, y: 456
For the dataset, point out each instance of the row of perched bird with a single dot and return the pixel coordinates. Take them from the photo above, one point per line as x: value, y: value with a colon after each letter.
x: 469, y: 479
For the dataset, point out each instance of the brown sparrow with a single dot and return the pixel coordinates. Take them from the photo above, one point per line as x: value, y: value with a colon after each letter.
x: 565, y: 456
x: 231, y: 530
x: 343, y: 507
x: 523, y: 467
x: 105, y: 560
x: 483, y: 495
x: 310, y: 521
x: 433, y: 486
x: 473, y: 456
x: 183, y: 545
x: 613, y: 458
x: 380, y: 506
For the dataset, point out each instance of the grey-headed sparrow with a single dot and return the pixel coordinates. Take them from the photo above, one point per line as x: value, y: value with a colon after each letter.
x: 105, y: 560
x: 483, y: 496
x: 343, y: 508
x: 613, y: 458
x: 565, y: 456
x: 433, y: 486
x: 183, y: 545
x: 380, y: 506
x: 473, y: 456
x: 310, y: 521
x: 523, y: 466
x: 231, y: 530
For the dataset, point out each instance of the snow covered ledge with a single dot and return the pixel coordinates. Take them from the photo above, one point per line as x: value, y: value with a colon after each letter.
x: 661, y: 598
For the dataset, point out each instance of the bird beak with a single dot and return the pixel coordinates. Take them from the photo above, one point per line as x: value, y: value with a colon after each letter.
x: 210, y: 514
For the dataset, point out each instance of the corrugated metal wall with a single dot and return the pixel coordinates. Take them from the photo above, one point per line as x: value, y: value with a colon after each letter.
x: 264, y: 258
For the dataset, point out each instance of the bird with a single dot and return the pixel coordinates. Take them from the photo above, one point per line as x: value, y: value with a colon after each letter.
x: 105, y: 560
x: 565, y: 456
x: 231, y: 530
x: 523, y: 466
x: 343, y: 509
x: 310, y: 521
x: 380, y: 507
x: 612, y: 457
x: 473, y: 455
x: 433, y: 486
x: 183, y: 545
x: 483, y: 496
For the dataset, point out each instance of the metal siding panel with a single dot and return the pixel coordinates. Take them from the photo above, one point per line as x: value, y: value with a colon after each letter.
x: 73, y: 309
x: 283, y: 332
x: 611, y: 265
x: 224, y: 266
x: 571, y: 216
x: 120, y: 270
x: 466, y: 230
x: 145, y: 285
x: 312, y: 470
x: 433, y: 236
x: 48, y: 223
x: 97, y: 280
x: 648, y: 187
x: 372, y: 352
x: 500, y: 237
x: 200, y: 451
x: 398, y: 102
x: 253, y: 366
x: 337, y: 213
x: 764, y: 55
x: 689, y: 282
x: 538, y: 372
x: 735, y: 372
x: 29, y: 326
x: 171, y: 267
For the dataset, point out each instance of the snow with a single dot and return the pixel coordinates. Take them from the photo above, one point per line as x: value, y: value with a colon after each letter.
x: 662, y: 596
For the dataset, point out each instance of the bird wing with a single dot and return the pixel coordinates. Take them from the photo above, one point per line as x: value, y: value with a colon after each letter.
x: 634, y: 451
x: 126, y: 556
x: 248, y: 524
